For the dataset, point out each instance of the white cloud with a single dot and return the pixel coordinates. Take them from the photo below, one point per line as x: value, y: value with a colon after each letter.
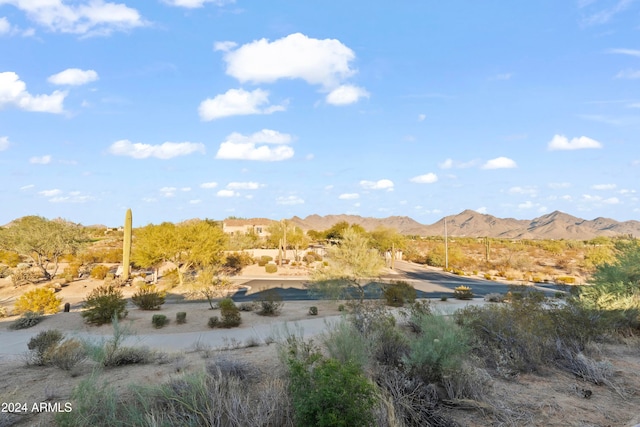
x: 611, y: 201
x: 27, y: 187
x: 193, y: 4
x: 168, y: 191
x: 227, y: 193
x: 558, y: 185
x: 526, y: 205
x: 605, y: 15
x: 50, y: 193
x: 4, y: 143
x: 185, y: 189
x: 237, y: 102
x: 346, y: 94
x: 561, y: 142
x: 94, y: 17
x: 73, y: 77
x: 41, y: 160
x: 349, y: 196
x: 422, y: 117
x: 319, y: 62
x: 530, y: 191
x: 13, y: 91
x: 447, y: 164
x: 289, y: 200
x: 209, y: 185
x: 163, y: 151
x: 244, y: 186
x: 428, y: 178
x: 224, y: 46
x: 630, y: 52
x: 482, y: 210
x: 628, y: 74
x: 383, y: 184
x: 195, y: 201
x: 604, y: 186
x: 245, y: 147
x: 5, y: 26
x: 500, y: 163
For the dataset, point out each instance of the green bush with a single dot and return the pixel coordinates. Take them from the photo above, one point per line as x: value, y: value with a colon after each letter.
x: 148, y: 297
x: 229, y: 313
x: 159, y: 320
x: 213, y: 322
x: 463, y: 293
x: 181, y: 317
x: 99, y: 272
x: 270, y: 303
x: 566, y: 280
x: 313, y: 310
x: 40, y: 345
x: 271, y: 268
x: 439, y: 350
x: 330, y: 393
x: 488, y: 276
x: 236, y: 261
x: 40, y: 300
x: 397, y: 293
x: 27, y: 320
x: 103, y: 303
x: 266, y: 258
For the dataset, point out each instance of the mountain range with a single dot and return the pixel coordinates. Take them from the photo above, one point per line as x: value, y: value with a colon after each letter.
x: 468, y: 223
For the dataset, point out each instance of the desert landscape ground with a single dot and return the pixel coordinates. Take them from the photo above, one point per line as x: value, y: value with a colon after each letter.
x: 552, y: 397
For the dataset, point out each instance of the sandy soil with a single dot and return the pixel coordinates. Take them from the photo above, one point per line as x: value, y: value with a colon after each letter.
x: 551, y: 399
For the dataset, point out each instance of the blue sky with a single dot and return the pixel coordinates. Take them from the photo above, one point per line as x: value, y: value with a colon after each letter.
x: 212, y: 108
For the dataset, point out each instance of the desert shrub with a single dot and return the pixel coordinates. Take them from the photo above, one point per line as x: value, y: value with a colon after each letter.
x: 41, y: 300
x: 102, y: 303
x: 67, y: 354
x: 341, y: 307
x: 236, y: 261
x: 566, y: 280
x: 415, y: 312
x: 488, y: 276
x: 345, y: 343
x: 313, y: 310
x: 463, y: 293
x: 271, y: 268
x: 494, y: 297
x: 148, y: 297
x: 270, y: 303
x: 229, y: 313
x: 266, y: 258
x: 318, y: 393
x: 443, y: 298
x: 41, y: 344
x: 181, y: 317
x: 159, y: 320
x: 225, y: 368
x: 397, y: 293
x: 311, y: 257
x: 3, y: 312
x: 262, y: 263
x: 24, y: 275
x: 27, y: 320
x: 9, y: 258
x: 213, y: 322
x: 438, y: 350
x: 4, y: 271
x: 72, y: 271
x: 99, y: 272
x: 247, y: 306
x: 130, y: 356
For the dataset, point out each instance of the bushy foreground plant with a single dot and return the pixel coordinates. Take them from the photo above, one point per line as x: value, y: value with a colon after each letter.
x: 50, y: 348
x: 42, y: 300
x: 103, y: 303
x: 397, y: 293
x: 148, y: 297
x: 229, y: 313
x: 27, y: 320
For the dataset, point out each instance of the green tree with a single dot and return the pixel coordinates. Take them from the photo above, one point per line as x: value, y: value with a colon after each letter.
x: 197, y: 244
x: 350, y: 262
x: 42, y: 241
x: 625, y: 268
x: 336, y: 232
x: 291, y: 236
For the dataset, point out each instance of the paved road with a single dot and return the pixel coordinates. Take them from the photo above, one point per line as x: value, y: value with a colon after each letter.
x: 429, y: 283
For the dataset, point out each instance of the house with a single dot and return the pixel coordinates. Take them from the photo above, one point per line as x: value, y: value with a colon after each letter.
x: 258, y: 226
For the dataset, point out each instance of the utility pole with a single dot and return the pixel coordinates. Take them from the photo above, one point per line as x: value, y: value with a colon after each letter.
x: 446, y: 246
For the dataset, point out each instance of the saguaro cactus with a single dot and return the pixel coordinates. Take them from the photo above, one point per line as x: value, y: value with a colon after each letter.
x: 126, y: 247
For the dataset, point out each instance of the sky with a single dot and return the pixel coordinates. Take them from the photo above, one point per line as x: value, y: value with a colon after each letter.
x: 184, y: 109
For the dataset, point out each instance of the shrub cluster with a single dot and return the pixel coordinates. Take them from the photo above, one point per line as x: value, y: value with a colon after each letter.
x: 264, y: 260
x: 270, y: 303
x: 99, y: 272
x: 271, y: 268
x: 229, y: 313
x: 159, y: 320
x: 181, y: 317
x: 41, y: 300
x: 103, y: 303
x: 27, y: 320
x: 50, y: 348
x: 236, y: 261
x: 397, y: 293
x: 24, y: 275
x: 148, y: 297
x: 463, y: 293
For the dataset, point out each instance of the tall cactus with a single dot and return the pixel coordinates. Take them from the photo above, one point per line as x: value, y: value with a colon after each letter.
x: 126, y: 248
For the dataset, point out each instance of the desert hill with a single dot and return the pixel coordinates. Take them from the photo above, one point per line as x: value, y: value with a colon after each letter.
x: 468, y: 223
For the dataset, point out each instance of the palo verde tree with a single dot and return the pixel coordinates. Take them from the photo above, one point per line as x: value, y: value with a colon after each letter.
x: 196, y: 244
x: 351, y: 262
x: 42, y: 241
x: 288, y: 235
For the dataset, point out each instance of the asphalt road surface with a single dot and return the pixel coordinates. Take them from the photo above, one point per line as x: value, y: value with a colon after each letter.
x: 429, y: 283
